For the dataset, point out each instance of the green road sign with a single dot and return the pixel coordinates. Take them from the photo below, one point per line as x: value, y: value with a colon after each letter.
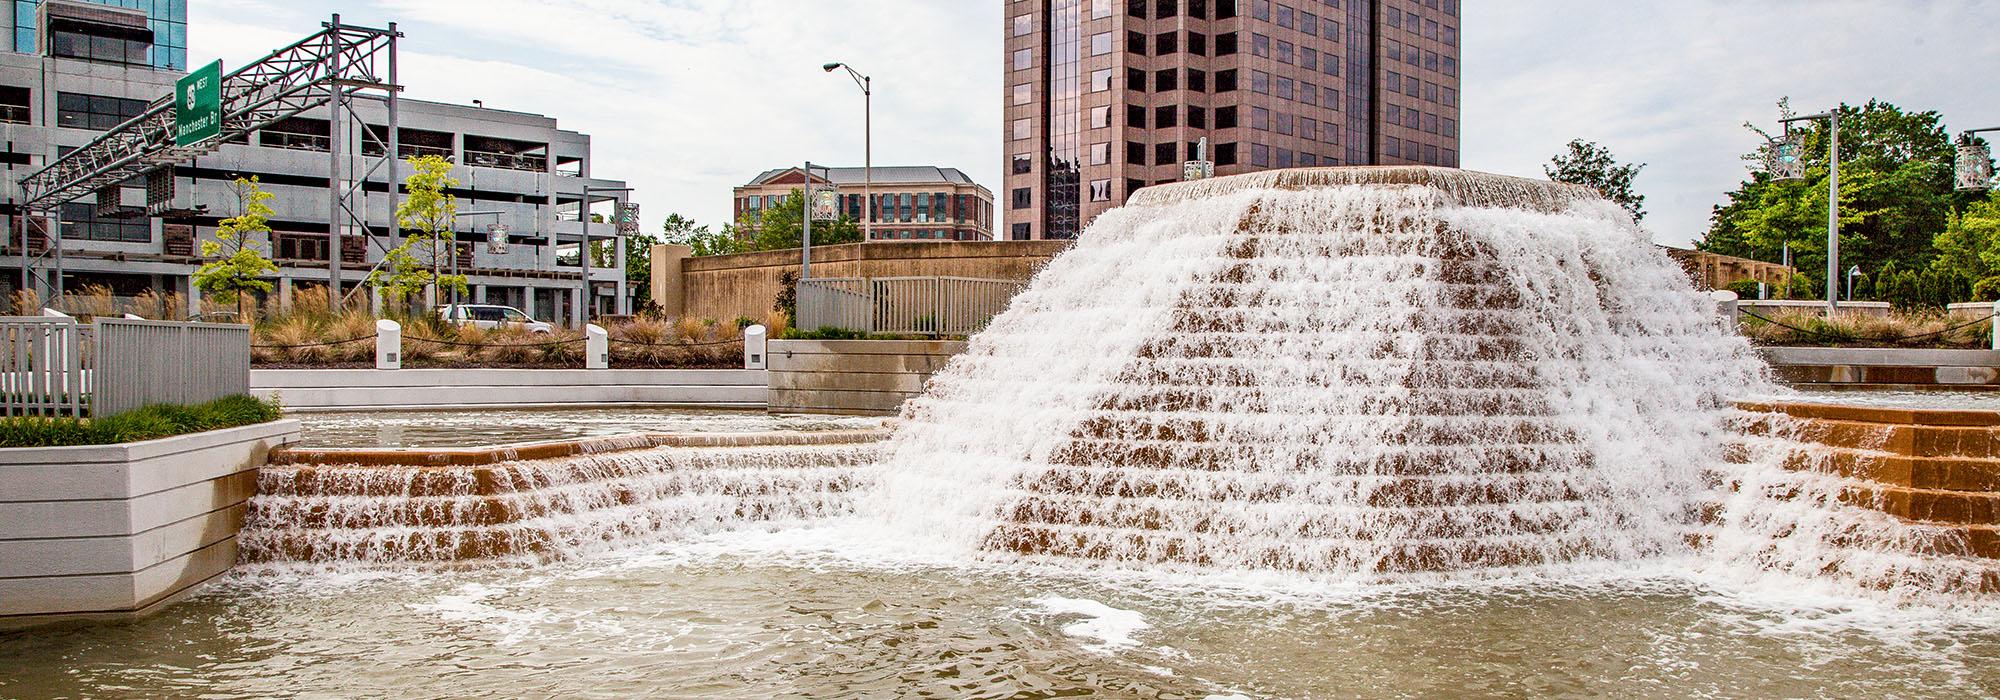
x: 198, y: 105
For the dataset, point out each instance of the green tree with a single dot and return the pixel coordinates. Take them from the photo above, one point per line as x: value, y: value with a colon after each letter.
x: 684, y: 231
x: 1969, y: 247
x: 1896, y: 194
x: 779, y: 226
x: 237, y: 265
x: 426, y: 218
x: 1591, y: 165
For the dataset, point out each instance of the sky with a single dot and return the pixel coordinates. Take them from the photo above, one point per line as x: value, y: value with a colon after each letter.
x: 685, y: 99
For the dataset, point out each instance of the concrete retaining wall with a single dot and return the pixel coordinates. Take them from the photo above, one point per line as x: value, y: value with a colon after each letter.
x: 114, y: 531
x: 1877, y: 366
x: 336, y: 389
x: 725, y: 287
x: 871, y: 377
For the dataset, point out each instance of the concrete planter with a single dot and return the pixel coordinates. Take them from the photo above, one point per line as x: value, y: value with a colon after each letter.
x: 869, y: 377
x: 1880, y: 366
x: 115, y: 531
x: 338, y: 389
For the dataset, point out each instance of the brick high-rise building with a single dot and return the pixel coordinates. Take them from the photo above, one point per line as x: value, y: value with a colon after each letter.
x: 1107, y: 96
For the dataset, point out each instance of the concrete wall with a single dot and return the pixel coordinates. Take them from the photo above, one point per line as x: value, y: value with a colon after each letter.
x: 872, y: 377
x: 334, y: 389
x: 724, y: 287
x: 113, y: 531
x: 1879, y: 366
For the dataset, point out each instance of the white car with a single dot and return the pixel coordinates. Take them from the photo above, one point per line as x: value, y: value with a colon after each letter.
x: 492, y: 316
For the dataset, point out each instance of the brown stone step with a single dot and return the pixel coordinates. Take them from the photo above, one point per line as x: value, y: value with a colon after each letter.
x: 1413, y: 460
x: 1322, y: 556
x: 1283, y: 520
x: 1379, y: 491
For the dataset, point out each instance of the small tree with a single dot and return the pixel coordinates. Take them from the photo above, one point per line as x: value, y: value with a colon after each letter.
x: 1591, y: 165
x: 682, y: 230
x: 238, y: 265
x: 426, y: 218
x: 780, y: 226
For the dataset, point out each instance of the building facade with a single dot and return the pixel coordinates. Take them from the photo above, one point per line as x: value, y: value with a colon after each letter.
x: 515, y: 169
x: 911, y: 203
x: 1104, y: 97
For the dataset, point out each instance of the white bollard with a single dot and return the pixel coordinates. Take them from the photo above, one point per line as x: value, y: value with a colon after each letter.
x: 596, y: 347
x: 134, y: 317
x: 754, y: 347
x: 52, y: 313
x: 388, y: 344
x: 1996, y: 325
x: 1725, y: 309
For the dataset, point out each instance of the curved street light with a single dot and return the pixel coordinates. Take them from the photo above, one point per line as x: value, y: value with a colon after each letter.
x: 867, y: 147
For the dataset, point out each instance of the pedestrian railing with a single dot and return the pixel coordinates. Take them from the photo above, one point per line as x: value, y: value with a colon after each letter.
x: 903, y: 305
x: 41, y: 367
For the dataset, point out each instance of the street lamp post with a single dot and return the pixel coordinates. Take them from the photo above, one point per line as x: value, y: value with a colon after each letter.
x: 867, y: 147
x: 1832, y: 208
x: 583, y: 253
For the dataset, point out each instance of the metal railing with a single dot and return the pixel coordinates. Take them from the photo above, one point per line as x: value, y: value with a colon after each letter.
x: 903, y: 305
x: 41, y: 367
x: 140, y: 363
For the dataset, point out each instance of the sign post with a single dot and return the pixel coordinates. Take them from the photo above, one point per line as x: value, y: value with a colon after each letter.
x: 198, y: 105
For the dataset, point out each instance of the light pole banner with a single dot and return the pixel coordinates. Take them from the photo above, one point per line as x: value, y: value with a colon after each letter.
x: 1975, y: 166
x: 628, y: 219
x: 826, y: 204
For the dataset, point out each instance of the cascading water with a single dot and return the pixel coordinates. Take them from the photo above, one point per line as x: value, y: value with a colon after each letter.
x: 1364, y: 374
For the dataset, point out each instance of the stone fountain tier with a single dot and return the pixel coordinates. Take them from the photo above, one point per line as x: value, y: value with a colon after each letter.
x: 544, y: 500
x: 1346, y: 371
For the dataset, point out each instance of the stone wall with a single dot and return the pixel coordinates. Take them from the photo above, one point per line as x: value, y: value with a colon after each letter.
x: 339, y: 389
x: 725, y: 287
x: 870, y: 377
x: 1881, y: 367
x: 115, y: 531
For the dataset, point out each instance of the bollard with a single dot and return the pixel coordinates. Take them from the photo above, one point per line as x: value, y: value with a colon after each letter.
x: 596, y: 347
x: 1725, y: 309
x: 134, y: 317
x: 52, y: 313
x: 754, y: 347
x: 388, y: 344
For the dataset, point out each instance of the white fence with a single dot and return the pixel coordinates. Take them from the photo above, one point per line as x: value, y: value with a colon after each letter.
x: 51, y: 366
x: 41, y: 367
x: 140, y: 363
x: 903, y: 305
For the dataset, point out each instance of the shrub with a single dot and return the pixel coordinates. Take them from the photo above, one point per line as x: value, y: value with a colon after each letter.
x: 1919, y: 329
x: 149, y: 423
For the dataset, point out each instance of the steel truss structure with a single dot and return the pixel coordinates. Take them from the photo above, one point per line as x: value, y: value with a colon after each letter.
x: 332, y: 68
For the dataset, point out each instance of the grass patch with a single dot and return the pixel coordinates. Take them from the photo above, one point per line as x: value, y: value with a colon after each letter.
x: 149, y: 423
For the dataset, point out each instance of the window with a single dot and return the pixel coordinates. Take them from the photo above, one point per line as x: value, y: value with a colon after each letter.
x: 15, y: 104
x: 1413, y: 87
x: 1100, y: 117
x: 1395, y: 18
x: 1197, y: 81
x: 1450, y: 127
x: 1023, y: 59
x: 1285, y: 52
x: 1020, y: 129
x: 1137, y: 8
x: 1260, y: 119
x: 1450, y: 36
x: 1020, y: 232
x: 1100, y: 80
x: 1308, y: 59
x: 97, y: 112
x: 1023, y: 163
x: 80, y: 221
x: 1225, y: 80
x: 1135, y: 80
x: 1286, y: 16
x: 1197, y: 118
x: 1309, y: 128
x: 1166, y: 80
x: 1100, y: 43
x: 1333, y: 99
x: 1430, y: 29
x: 1330, y: 65
x: 1225, y: 154
x: 1450, y: 66
x: 1166, y: 117
x: 1135, y: 153
x: 1260, y: 155
x: 1197, y: 44
x: 1023, y: 25
x: 1260, y: 45
x: 1225, y: 9
x: 1260, y: 82
x: 1309, y: 23
x: 1168, y: 43
x: 299, y: 246
x: 1284, y: 123
x: 1167, y: 8
x: 1392, y: 81
x: 1133, y: 185
x: 1392, y: 114
x: 1259, y: 9
x: 1450, y: 97
x: 1100, y: 154
x: 1100, y: 9
x: 1024, y: 93
x: 1308, y: 93
x: 1285, y: 159
x: 1135, y: 43
x: 96, y: 42
x: 1225, y: 44
x: 1198, y: 9
x: 1330, y: 29
x: 1431, y: 61
x: 1166, y: 153
x: 1225, y: 117
x: 1430, y: 92
x: 1100, y: 190
x: 1430, y: 123
x: 1284, y: 88
x: 1135, y: 116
